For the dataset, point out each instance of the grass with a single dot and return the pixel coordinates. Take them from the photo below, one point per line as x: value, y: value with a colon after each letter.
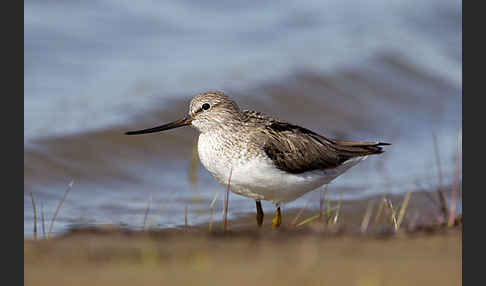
x: 393, y: 215
x: 455, y: 185
x: 325, y: 211
x: 448, y: 212
x: 366, y: 218
x: 395, y: 218
x: 43, y: 221
x: 401, y: 249
x: 442, y: 200
x: 294, y: 221
x: 403, y: 209
x: 53, y: 219
x: 329, y: 216
x: 147, y: 212
x: 211, y: 208
x: 35, y: 215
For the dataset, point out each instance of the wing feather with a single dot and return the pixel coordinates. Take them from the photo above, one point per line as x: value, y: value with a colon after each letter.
x: 295, y: 149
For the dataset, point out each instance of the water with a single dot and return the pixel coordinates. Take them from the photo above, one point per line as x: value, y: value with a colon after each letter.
x: 386, y: 70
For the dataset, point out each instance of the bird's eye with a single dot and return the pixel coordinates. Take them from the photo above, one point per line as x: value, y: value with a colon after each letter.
x: 206, y: 106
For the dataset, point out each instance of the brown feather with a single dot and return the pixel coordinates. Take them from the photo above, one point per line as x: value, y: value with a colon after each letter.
x: 295, y: 149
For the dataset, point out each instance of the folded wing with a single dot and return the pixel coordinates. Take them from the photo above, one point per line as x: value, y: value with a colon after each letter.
x: 295, y: 149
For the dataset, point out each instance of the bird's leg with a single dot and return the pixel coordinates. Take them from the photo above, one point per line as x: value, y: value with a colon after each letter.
x: 277, y: 219
x: 259, y: 215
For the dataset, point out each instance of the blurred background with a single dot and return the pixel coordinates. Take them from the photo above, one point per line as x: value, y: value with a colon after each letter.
x: 361, y: 70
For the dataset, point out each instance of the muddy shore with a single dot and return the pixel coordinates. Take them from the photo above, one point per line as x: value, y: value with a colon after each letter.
x: 284, y: 257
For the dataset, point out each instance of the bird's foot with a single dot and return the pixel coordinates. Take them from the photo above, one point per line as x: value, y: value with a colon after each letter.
x: 277, y: 219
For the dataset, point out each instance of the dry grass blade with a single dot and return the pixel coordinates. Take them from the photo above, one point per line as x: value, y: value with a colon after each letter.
x: 336, y: 214
x: 35, y: 215
x: 213, y: 201
x: 366, y: 218
x: 403, y: 208
x: 455, y: 185
x: 443, y: 205
x: 338, y: 209
x: 147, y: 212
x: 211, y: 208
x: 43, y: 220
x: 328, y: 211
x: 312, y: 218
x: 393, y: 214
x: 294, y: 221
x: 226, y: 201
x: 58, y: 208
x: 307, y: 220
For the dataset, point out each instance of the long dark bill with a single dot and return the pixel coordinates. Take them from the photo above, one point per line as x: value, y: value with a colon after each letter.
x: 179, y: 123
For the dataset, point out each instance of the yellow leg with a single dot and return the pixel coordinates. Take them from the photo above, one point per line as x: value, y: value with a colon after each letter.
x: 277, y: 219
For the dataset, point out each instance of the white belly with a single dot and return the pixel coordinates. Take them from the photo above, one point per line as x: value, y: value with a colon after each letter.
x: 258, y: 177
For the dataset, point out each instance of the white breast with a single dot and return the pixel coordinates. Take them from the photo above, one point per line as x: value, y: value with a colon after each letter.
x: 212, y: 156
x: 258, y: 177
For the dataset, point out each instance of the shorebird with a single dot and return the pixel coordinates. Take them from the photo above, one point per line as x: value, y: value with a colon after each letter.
x: 262, y: 157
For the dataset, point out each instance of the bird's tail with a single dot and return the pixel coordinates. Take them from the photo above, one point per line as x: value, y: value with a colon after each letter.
x: 352, y: 149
